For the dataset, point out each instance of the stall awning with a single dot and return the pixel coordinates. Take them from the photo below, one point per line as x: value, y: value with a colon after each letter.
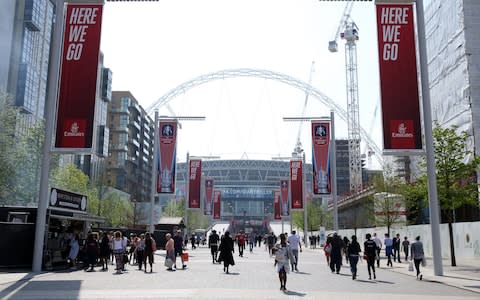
x: 66, y: 214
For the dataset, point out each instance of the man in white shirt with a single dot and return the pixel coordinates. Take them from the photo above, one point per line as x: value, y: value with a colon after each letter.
x: 294, y: 242
x: 378, y: 242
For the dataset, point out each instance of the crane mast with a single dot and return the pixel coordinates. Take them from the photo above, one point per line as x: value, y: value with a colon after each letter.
x: 349, y: 32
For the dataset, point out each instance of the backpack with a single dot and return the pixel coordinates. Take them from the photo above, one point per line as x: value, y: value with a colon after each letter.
x: 328, y: 248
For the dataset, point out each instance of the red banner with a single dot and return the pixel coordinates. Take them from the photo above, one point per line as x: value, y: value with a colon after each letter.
x: 208, y: 197
x: 398, y: 77
x: 277, y: 215
x: 320, y: 157
x: 78, y: 77
x: 284, y: 197
x: 194, y: 184
x: 166, y: 163
x: 217, y: 196
x: 296, y: 185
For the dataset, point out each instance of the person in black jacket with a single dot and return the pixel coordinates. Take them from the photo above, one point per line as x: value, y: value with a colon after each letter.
x: 226, y: 251
x: 104, y: 251
x: 370, y: 251
x: 353, y: 255
x: 336, y: 253
x: 396, y: 248
x: 213, y: 240
x: 91, y: 249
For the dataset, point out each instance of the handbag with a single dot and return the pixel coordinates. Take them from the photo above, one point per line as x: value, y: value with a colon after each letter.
x: 410, y: 266
x: 424, y: 262
x: 168, y: 262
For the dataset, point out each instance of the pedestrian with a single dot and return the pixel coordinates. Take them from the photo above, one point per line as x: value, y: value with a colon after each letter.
x: 178, y: 248
x: 336, y: 253
x: 119, y: 247
x: 353, y: 255
x: 396, y: 248
x: 388, y: 242
x: 241, y: 242
x: 91, y: 249
x: 251, y: 241
x: 283, y: 257
x: 213, y: 241
x: 193, y: 240
x: 417, y: 255
x: 345, y: 250
x: 378, y: 242
x: 270, y: 240
x: 370, y: 250
x: 226, y: 251
x: 170, y: 252
x: 74, y: 249
x: 104, y: 250
x: 131, y: 252
x: 295, y: 246
x: 327, y: 249
x: 148, y: 252
x: 140, y: 250
x: 405, y: 245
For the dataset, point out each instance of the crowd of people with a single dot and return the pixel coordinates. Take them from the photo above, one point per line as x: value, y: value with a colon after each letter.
x: 336, y: 249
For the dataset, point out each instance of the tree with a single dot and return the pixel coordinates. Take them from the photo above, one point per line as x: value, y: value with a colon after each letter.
x: 455, y: 170
x: 174, y: 208
x: 8, y: 115
x: 388, y: 205
x: 316, y: 216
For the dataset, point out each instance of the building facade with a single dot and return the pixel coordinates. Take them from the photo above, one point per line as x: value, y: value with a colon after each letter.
x: 131, y: 143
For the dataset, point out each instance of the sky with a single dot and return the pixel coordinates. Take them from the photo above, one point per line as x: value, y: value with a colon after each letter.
x: 153, y: 47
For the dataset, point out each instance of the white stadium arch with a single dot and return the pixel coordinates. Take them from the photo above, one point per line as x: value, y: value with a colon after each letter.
x: 264, y: 74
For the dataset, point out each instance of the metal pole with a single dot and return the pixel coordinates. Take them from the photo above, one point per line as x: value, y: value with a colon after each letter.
x: 52, y: 90
x: 333, y: 156
x: 156, y: 148
x: 305, y: 223
x: 187, y: 194
x: 427, y: 123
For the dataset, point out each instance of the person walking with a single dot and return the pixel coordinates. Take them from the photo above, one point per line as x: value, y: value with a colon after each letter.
x: 336, y: 253
x: 345, y: 250
x: 283, y: 258
x: 353, y: 255
x: 119, y: 248
x: 417, y: 255
x: 370, y: 252
x: 270, y: 240
x: 104, y: 251
x: 241, y: 243
x: 213, y: 241
x: 226, y: 251
x: 193, y: 240
x: 148, y: 252
x: 388, y: 242
x: 91, y: 249
x: 251, y: 241
x: 170, y: 252
x: 396, y: 248
x: 378, y: 242
x: 327, y: 249
x: 178, y: 248
x: 140, y: 250
x: 295, y: 246
x: 405, y: 246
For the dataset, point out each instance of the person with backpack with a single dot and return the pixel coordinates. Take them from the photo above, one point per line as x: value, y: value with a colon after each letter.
x: 283, y: 258
x: 241, y: 243
x: 213, y: 241
x: 327, y: 249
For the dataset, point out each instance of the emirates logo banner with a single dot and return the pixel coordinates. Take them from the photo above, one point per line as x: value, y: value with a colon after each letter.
x: 166, y: 163
x: 398, y: 77
x: 78, y: 77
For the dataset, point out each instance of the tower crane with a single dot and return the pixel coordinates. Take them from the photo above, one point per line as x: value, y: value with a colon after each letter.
x: 298, y: 146
x: 348, y: 31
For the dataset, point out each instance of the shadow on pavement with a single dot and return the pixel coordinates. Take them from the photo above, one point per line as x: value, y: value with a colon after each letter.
x: 4, y: 293
x: 302, y: 273
x: 383, y: 281
x: 365, y: 281
x: 37, y: 288
x: 232, y: 273
x: 293, y: 293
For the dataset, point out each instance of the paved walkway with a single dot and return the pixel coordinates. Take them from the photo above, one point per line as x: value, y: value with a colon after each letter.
x: 466, y: 275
